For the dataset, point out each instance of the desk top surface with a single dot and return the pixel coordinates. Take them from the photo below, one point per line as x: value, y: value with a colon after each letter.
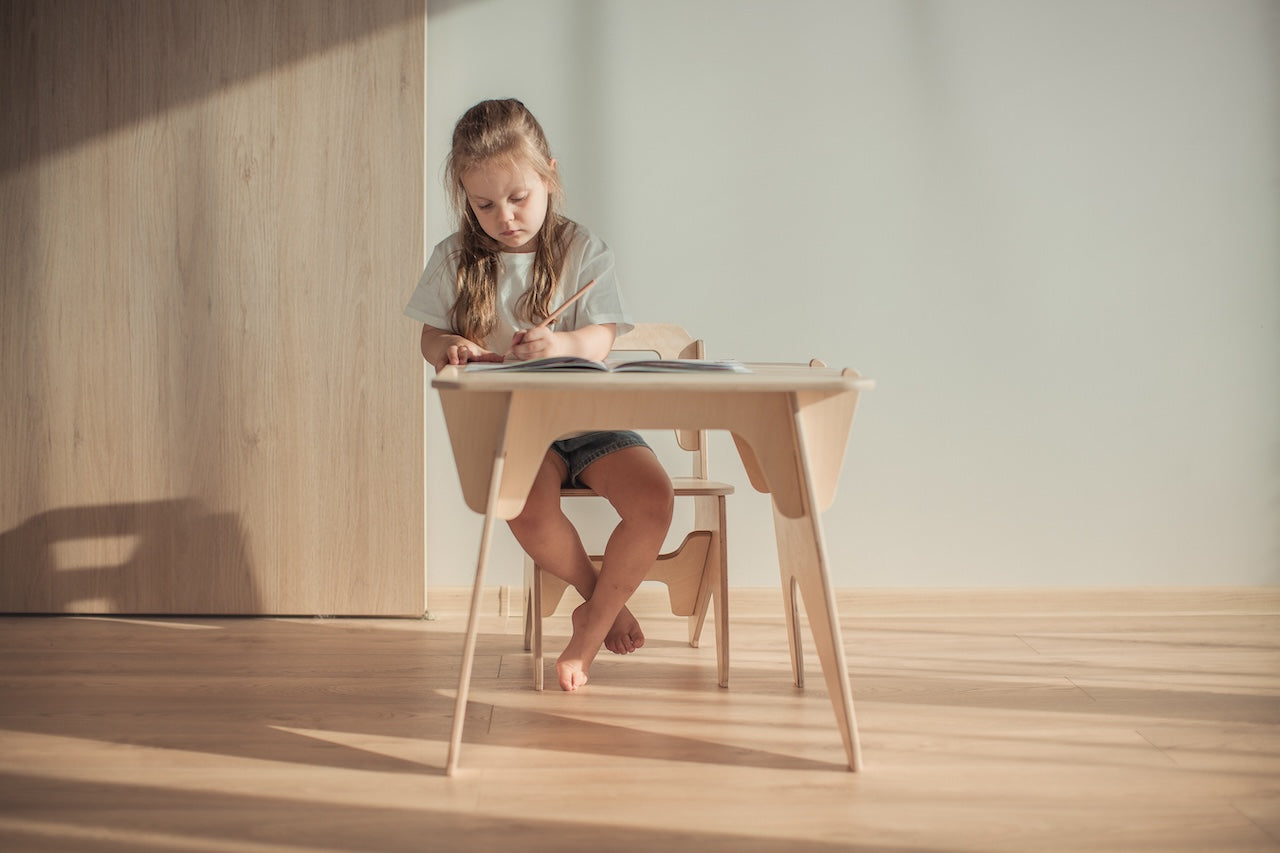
x: 762, y: 378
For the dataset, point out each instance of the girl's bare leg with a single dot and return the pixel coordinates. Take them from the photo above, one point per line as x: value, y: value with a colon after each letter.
x: 546, y: 534
x: 636, y: 484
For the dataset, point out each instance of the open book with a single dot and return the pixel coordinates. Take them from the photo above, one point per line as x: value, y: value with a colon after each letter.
x: 571, y: 362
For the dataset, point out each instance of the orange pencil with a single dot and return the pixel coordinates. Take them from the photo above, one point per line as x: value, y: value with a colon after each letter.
x: 551, y: 318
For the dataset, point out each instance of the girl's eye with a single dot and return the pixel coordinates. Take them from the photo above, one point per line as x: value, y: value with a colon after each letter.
x: 518, y: 199
x: 484, y: 206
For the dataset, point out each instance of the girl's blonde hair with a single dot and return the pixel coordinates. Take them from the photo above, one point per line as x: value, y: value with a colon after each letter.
x: 504, y: 132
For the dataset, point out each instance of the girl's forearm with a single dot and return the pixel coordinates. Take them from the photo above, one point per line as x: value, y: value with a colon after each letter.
x: 592, y: 342
x: 435, y: 342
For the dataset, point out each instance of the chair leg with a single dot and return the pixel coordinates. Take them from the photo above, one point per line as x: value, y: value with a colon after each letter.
x: 722, y: 616
x: 708, y: 514
x: 699, y: 617
x: 535, y: 619
x: 528, y: 602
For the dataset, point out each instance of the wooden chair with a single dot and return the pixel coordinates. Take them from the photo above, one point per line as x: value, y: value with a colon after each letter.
x: 695, y: 573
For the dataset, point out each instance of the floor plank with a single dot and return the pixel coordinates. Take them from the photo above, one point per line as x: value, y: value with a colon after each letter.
x: 994, y: 732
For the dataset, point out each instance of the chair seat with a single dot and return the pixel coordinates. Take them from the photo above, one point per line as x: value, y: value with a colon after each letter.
x: 682, y: 486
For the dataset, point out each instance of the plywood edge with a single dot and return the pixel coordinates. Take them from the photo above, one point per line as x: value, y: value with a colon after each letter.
x: 651, y: 600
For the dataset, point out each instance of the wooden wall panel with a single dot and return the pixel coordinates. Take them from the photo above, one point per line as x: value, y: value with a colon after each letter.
x: 212, y: 217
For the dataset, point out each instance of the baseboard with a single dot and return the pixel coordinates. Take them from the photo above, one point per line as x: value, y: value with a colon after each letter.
x: 874, y: 602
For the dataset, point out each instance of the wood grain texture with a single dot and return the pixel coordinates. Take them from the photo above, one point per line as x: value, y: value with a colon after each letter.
x: 211, y: 400
x: 1051, y: 731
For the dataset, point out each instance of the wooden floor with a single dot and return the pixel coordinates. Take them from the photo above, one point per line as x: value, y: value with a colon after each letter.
x: 1050, y: 731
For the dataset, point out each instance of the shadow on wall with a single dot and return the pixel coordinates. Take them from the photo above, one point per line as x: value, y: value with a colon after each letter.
x: 43, y: 37
x: 170, y: 556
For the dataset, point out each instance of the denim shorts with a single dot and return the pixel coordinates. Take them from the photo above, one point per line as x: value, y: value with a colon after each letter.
x: 581, y: 450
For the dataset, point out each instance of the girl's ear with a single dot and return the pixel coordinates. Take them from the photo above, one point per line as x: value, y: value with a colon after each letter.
x: 553, y: 164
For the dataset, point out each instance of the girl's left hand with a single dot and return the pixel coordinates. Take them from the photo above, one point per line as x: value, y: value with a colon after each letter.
x: 538, y: 342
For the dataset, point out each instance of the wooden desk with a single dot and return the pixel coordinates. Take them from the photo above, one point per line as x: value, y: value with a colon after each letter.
x: 790, y: 424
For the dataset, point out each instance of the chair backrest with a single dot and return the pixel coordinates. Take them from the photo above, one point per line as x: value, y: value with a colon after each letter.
x: 667, y: 340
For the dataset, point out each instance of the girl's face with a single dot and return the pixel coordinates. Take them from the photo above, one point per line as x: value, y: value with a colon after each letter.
x: 510, y: 203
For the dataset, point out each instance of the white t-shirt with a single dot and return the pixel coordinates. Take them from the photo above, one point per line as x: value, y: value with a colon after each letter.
x: 588, y: 257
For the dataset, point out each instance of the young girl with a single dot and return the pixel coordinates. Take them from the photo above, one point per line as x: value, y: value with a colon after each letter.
x: 512, y: 261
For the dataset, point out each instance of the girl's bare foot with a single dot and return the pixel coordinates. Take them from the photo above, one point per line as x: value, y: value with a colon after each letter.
x: 572, y: 665
x: 625, y: 636
x: 571, y: 674
x: 622, y: 638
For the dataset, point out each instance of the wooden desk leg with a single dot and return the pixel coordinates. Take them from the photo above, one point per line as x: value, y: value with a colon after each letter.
x: 802, y: 556
x: 804, y: 564
x: 473, y: 620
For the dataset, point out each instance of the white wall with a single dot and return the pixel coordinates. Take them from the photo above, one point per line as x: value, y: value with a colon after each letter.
x: 1050, y: 230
